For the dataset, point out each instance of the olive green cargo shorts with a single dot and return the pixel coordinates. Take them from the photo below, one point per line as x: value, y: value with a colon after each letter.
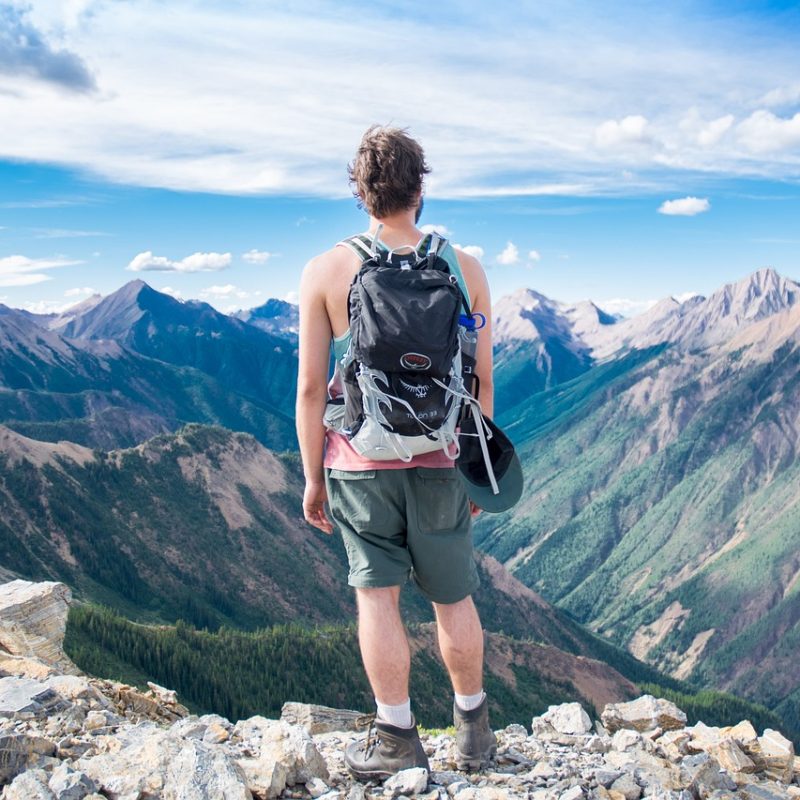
x: 398, y: 523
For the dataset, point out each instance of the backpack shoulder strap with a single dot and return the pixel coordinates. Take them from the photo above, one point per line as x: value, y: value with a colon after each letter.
x: 362, y: 245
x: 359, y: 245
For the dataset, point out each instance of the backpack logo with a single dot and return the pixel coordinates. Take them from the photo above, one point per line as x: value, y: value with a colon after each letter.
x: 420, y: 391
x: 415, y: 361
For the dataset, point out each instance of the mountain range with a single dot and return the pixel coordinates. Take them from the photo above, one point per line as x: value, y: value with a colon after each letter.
x: 118, y: 370
x: 205, y: 526
x: 661, y: 503
x: 659, y: 452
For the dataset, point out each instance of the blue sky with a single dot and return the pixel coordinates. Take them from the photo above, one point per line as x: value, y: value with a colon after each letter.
x: 621, y: 154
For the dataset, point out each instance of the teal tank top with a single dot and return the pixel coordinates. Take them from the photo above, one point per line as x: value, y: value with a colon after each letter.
x: 341, y: 343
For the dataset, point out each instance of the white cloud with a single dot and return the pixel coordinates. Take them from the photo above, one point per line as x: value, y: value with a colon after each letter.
x: 684, y: 207
x: 474, y: 250
x: 197, y: 262
x: 176, y: 293
x: 65, y: 233
x: 256, y: 256
x: 711, y: 133
x: 763, y: 132
x: 204, y: 130
x: 628, y: 130
x: 510, y: 255
x: 292, y: 297
x: 78, y: 292
x: 781, y: 96
x: 23, y: 271
x: 684, y: 296
x: 534, y: 255
x: 442, y: 230
x: 47, y: 306
x: 226, y: 292
x: 625, y: 306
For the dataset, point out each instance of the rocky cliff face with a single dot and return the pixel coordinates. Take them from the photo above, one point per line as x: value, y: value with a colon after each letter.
x: 71, y: 737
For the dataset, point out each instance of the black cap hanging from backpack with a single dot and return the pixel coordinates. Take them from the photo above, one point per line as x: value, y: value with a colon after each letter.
x: 487, y: 463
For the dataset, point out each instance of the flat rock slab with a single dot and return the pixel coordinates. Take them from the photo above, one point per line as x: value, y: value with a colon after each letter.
x: 25, y: 697
x: 322, y: 719
x: 646, y: 713
x: 33, y: 618
x: 18, y: 751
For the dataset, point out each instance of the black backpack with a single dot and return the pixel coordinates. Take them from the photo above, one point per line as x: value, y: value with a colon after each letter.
x: 412, y: 346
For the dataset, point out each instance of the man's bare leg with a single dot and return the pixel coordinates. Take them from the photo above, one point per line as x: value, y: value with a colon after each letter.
x: 461, y: 644
x: 384, y: 645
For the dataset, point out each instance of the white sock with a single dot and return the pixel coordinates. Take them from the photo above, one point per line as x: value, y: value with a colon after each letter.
x: 468, y: 702
x: 399, y: 715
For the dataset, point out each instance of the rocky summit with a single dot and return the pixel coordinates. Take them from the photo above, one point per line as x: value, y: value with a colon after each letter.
x: 73, y: 737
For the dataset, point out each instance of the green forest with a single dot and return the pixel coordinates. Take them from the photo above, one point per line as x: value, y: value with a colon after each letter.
x: 238, y: 674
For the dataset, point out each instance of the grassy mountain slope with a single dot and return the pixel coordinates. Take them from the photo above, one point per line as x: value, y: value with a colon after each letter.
x: 204, y: 525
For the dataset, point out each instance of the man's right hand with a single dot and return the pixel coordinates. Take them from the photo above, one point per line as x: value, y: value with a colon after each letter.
x: 314, y: 499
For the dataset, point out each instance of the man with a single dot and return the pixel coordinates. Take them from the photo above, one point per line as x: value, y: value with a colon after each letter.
x: 398, y: 518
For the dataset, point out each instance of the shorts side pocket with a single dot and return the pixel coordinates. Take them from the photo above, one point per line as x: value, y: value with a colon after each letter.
x: 440, y: 500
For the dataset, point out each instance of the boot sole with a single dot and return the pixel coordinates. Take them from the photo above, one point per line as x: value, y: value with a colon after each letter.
x: 366, y: 777
x: 473, y: 764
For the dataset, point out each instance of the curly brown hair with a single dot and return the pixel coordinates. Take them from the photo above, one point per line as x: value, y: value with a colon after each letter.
x: 388, y: 170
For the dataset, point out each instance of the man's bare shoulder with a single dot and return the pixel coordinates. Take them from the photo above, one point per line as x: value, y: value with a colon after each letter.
x: 470, y: 265
x: 474, y: 275
x: 324, y: 263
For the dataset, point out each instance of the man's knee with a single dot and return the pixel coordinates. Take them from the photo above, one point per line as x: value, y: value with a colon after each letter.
x: 384, y: 597
x: 462, y: 607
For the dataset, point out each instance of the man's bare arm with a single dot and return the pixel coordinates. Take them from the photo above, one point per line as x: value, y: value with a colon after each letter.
x: 481, y: 300
x: 312, y: 378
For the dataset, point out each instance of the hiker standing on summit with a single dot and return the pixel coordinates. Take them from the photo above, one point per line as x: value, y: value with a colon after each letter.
x: 399, y: 518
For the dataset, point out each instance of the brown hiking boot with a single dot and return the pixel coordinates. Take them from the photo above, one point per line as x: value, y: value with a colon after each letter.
x: 386, y: 750
x: 475, y: 742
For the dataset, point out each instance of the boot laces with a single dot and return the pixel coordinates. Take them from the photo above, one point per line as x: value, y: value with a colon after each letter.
x: 372, y: 740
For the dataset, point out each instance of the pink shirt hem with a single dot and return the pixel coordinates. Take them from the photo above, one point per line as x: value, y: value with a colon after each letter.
x: 339, y: 454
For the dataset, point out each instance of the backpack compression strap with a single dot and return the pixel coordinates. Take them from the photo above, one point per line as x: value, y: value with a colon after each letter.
x: 366, y: 247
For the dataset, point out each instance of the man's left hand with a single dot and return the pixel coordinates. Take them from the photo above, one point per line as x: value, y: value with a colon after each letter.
x: 314, y: 499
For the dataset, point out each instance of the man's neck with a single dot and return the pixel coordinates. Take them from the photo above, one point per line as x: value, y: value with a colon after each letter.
x: 398, y: 229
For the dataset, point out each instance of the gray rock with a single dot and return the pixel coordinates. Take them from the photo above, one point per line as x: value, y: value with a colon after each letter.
x: 625, y: 740
x: 702, y: 774
x: 643, y: 714
x: 18, y: 751
x: 67, y: 784
x: 568, y: 718
x: 73, y: 748
x: 33, y: 618
x: 777, y: 754
x: 316, y: 787
x: 321, y: 719
x: 31, y: 785
x: 407, y: 782
x: 456, y: 787
x: 575, y: 793
x: 211, y: 728
x: 731, y: 757
x: 147, y: 760
x: 627, y: 785
x: 22, y: 698
x: 598, y: 744
x: 74, y: 688
x: 278, y: 755
x: 605, y: 777
x: 767, y: 791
